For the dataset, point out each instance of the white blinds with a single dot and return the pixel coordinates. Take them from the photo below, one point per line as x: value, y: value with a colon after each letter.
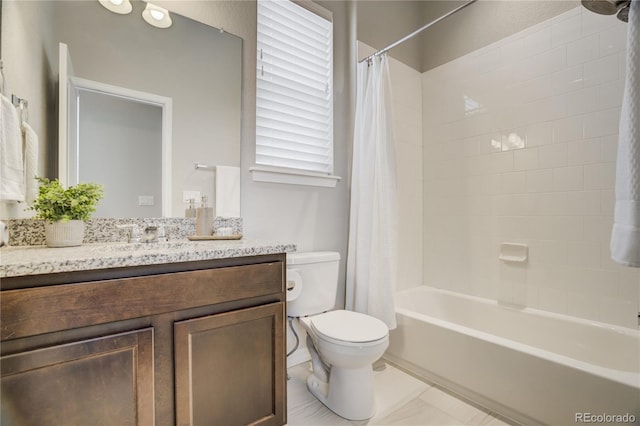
x: 294, y: 93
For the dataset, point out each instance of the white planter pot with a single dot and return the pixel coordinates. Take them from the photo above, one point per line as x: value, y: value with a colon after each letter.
x: 64, y: 234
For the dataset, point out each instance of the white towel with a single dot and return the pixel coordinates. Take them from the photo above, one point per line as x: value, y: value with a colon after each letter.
x: 625, y: 236
x: 227, y: 191
x: 11, y: 163
x: 30, y: 162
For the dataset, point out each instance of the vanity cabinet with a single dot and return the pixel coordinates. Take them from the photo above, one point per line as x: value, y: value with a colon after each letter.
x: 192, y: 343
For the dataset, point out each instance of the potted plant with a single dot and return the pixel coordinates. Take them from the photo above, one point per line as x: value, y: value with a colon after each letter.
x: 65, y: 210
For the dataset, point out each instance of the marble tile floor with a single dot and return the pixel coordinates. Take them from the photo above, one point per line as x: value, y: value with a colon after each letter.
x: 402, y: 400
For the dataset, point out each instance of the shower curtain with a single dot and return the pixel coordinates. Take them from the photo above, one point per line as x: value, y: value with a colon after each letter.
x: 372, y: 255
x: 625, y: 235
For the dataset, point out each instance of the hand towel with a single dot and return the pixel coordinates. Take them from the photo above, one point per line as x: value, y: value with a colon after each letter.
x: 11, y: 163
x: 30, y: 162
x: 227, y: 191
x: 625, y: 236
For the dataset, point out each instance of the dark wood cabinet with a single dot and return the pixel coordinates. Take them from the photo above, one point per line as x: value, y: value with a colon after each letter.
x: 225, y: 369
x: 195, y: 343
x: 102, y: 381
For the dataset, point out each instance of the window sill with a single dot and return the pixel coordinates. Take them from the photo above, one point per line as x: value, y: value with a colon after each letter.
x: 292, y: 177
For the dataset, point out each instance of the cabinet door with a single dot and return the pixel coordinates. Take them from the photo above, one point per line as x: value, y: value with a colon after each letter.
x: 101, y: 381
x: 230, y: 368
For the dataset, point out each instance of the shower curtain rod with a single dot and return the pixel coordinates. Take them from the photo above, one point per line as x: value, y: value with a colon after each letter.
x: 418, y: 31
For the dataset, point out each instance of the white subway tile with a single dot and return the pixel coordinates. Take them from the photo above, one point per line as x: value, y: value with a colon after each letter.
x: 540, y: 180
x: 555, y: 155
x: 601, y: 123
x: 599, y: 176
x: 600, y: 71
x: 558, y: 87
x: 613, y: 39
x: 620, y: 312
x: 583, y: 203
x: 538, y: 42
x: 622, y: 64
x: 594, y: 23
x: 534, y: 89
x: 609, y: 148
x: 610, y: 94
x: 547, y: 252
x: 549, y: 204
x: 500, y: 162
x: 567, y: 227
x: 628, y: 288
x: 514, y: 139
x: 583, y: 101
x: 583, y: 254
x: 585, y: 152
x: 582, y: 305
x: 552, y: 300
x: 583, y: 50
x: 513, y: 183
x: 568, y: 178
x: 512, y: 50
x: 566, y: 30
x: 539, y: 134
x: 607, y: 202
x: 597, y: 228
x: 489, y: 143
x: 567, y: 129
x: 567, y: 80
x: 526, y: 159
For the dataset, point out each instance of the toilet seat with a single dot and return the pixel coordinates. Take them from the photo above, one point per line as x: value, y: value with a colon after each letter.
x: 348, y: 328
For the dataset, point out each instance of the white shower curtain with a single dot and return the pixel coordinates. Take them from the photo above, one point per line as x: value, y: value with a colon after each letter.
x: 625, y: 235
x: 372, y: 256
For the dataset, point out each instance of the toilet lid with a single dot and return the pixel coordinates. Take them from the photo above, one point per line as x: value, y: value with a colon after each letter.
x: 349, y: 326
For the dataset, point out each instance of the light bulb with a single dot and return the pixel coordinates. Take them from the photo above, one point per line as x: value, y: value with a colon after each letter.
x: 156, y: 14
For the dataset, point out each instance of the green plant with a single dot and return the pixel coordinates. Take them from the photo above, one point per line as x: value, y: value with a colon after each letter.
x: 74, y: 203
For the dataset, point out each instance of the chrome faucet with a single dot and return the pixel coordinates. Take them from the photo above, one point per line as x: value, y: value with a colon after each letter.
x: 150, y: 233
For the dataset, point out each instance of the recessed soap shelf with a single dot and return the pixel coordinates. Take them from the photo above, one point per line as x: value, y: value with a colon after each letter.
x: 513, y: 252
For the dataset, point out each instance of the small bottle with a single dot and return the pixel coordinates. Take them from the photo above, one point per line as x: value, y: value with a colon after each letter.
x: 204, y: 219
x: 191, y: 210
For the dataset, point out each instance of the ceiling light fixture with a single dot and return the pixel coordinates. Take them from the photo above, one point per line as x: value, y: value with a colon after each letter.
x: 121, y: 7
x: 156, y: 16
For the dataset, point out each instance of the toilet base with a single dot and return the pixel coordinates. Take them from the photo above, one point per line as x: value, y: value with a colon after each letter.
x: 349, y: 392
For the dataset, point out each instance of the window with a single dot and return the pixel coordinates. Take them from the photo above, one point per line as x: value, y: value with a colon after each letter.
x: 294, y: 88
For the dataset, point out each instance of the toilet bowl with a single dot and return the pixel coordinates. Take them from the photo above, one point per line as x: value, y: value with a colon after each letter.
x: 343, y: 344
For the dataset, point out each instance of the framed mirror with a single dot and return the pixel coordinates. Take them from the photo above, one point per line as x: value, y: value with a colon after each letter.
x: 197, y: 67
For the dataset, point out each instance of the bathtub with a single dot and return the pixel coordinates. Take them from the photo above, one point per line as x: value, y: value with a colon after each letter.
x: 532, y: 366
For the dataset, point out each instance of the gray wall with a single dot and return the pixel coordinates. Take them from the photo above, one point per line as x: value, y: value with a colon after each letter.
x: 381, y: 23
x: 29, y: 53
x: 313, y: 218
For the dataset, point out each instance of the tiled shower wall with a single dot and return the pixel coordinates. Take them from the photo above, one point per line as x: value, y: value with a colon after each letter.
x: 519, y: 145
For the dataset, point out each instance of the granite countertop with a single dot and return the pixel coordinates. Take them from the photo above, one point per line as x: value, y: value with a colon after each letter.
x: 34, y: 260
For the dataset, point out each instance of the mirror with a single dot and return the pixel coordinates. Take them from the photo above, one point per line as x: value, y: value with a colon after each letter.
x: 196, y: 66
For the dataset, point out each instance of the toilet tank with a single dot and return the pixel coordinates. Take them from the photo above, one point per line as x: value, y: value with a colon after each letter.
x: 318, y: 275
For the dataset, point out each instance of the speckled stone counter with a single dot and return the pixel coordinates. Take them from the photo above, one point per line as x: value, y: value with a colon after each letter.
x: 33, y: 260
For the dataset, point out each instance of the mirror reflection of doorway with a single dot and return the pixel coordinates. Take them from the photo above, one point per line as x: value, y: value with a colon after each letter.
x: 119, y: 144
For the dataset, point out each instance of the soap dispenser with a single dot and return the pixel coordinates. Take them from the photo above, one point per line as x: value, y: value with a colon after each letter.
x: 191, y: 210
x: 204, y: 219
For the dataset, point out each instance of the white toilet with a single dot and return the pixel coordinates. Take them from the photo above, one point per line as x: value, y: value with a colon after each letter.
x: 343, y: 344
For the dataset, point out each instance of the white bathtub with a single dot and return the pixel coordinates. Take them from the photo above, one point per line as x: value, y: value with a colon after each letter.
x: 532, y: 366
